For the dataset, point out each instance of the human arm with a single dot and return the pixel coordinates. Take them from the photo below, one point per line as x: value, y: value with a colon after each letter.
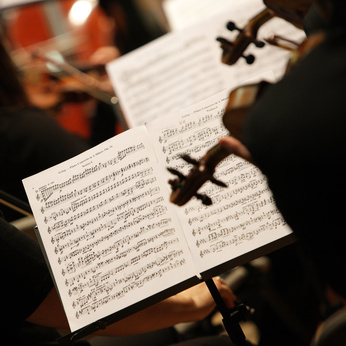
x: 190, y: 305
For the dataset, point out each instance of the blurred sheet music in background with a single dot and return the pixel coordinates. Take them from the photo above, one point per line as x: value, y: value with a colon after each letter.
x: 184, y: 66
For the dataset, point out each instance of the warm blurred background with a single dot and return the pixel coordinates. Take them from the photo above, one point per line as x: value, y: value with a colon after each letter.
x: 61, y: 48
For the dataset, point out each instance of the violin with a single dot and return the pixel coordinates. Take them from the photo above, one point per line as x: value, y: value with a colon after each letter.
x: 240, y: 100
x: 232, y: 51
x: 185, y: 187
x: 74, y: 79
x: 48, y: 90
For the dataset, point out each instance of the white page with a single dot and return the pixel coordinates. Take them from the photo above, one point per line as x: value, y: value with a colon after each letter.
x: 243, y: 216
x: 105, y: 224
x: 184, y: 67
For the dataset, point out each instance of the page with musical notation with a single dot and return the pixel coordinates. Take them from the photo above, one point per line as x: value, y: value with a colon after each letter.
x: 243, y: 222
x: 184, y: 66
x: 108, y: 229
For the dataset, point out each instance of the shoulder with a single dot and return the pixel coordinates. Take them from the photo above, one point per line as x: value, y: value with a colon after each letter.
x: 24, y: 119
x: 38, y: 138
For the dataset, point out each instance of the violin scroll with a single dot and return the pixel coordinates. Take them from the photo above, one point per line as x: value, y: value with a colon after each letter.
x: 186, y: 187
x: 232, y: 51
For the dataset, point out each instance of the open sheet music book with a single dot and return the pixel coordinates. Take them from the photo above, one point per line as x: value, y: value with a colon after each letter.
x: 114, y: 242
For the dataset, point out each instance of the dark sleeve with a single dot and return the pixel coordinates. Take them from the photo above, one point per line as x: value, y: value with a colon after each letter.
x: 25, y: 277
x: 313, y: 21
x: 32, y: 141
x: 38, y: 142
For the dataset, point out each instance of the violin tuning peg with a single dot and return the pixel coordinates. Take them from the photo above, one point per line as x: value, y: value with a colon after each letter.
x: 189, y: 159
x: 218, y: 182
x: 249, y: 59
x: 231, y: 26
x: 224, y: 42
x: 259, y: 44
x: 204, y: 198
x: 175, y: 184
x: 177, y: 173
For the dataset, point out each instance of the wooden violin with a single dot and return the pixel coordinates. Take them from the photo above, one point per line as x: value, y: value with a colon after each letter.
x: 232, y: 51
x: 49, y: 89
x: 185, y: 187
x: 75, y: 80
x: 239, y: 102
x: 292, y: 11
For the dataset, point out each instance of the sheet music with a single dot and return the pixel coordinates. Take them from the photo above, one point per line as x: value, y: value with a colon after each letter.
x: 107, y: 227
x: 184, y: 67
x: 243, y: 216
x: 110, y: 234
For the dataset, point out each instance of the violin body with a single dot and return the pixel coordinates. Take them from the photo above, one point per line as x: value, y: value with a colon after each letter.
x: 239, y: 103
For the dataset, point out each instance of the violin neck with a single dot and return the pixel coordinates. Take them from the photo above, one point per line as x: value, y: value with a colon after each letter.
x: 260, y: 19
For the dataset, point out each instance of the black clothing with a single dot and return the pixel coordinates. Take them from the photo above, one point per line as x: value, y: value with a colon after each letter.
x: 25, y: 283
x: 31, y: 141
x: 25, y: 271
x: 314, y: 21
x: 221, y: 340
x: 296, y: 135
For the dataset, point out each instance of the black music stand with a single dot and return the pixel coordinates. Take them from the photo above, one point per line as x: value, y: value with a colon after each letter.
x: 231, y: 317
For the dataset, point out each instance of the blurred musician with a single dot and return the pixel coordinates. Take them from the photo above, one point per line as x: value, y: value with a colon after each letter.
x: 78, y: 35
x: 32, y: 139
x: 295, y: 133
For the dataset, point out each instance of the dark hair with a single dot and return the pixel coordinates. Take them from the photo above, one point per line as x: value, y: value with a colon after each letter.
x: 12, y: 93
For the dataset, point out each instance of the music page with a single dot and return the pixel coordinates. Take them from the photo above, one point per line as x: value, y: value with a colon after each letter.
x: 184, y: 67
x: 108, y: 229
x: 243, y: 216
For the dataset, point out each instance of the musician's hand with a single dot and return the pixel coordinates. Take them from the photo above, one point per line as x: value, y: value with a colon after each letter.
x: 234, y: 146
x: 196, y: 303
x: 190, y: 305
x: 104, y: 55
x: 193, y: 304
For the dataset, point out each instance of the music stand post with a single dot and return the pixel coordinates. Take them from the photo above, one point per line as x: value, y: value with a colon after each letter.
x: 231, y: 317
